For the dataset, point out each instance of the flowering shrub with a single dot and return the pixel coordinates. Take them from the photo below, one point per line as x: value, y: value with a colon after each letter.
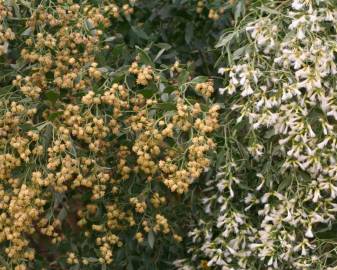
x: 101, y: 140
x: 168, y: 134
x: 272, y: 201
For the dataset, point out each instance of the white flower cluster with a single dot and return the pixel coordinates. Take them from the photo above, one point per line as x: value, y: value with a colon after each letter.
x: 285, y: 87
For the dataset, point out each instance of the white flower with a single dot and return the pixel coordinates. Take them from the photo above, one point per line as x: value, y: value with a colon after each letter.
x: 323, y: 143
x: 317, y: 196
x: 247, y: 91
x: 222, y: 91
x: 309, y: 233
x: 297, y: 5
x: 221, y: 70
x: 283, y: 90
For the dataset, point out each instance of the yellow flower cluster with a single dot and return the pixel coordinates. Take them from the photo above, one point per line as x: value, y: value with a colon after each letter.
x: 139, y: 237
x: 83, y: 150
x: 144, y: 73
x: 68, y: 168
x: 213, y: 13
x: 20, y: 210
x: 140, y: 206
x: 6, y: 33
x: 67, y: 53
x: 161, y: 224
x: 157, y: 200
x: 116, y: 11
x: 205, y: 88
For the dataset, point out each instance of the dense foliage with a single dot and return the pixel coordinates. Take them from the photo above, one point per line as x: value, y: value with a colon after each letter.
x: 272, y: 201
x: 168, y: 134
x: 104, y: 126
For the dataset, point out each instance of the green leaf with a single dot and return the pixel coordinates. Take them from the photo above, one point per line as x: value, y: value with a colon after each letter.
x: 225, y: 40
x: 6, y: 89
x: 284, y: 184
x: 27, y: 32
x: 18, y: 171
x: 160, y: 53
x: 140, y: 33
x: 167, y: 106
x: 328, y: 233
x: 52, y: 96
x: 26, y: 127
x: 109, y: 39
x: 118, y: 50
x: 47, y: 136
x: 189, y: 30
x: 54, y: 115
x: 62, y: 215
x: 16, y: 8
x: 88, y: 25
x: 244, y: 186
x: 220, y: 157
x: 42, y: 126
x: 239, y: 53
x: 269, y: 10
x: 92, y: 260
x: 144, y: 57
x: 199, y: 79
x: 183, y: 77
x: 150, y: 239
x: 269, y: 134
x: 163, y: 46
x: 148, y: 92
x: 239, y: 9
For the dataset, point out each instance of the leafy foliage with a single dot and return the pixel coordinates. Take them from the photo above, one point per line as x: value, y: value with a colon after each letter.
x: 104, y: 130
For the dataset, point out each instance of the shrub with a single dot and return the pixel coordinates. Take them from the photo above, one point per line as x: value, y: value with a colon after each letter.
x: 271, y: 203
x: 100, y: 139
